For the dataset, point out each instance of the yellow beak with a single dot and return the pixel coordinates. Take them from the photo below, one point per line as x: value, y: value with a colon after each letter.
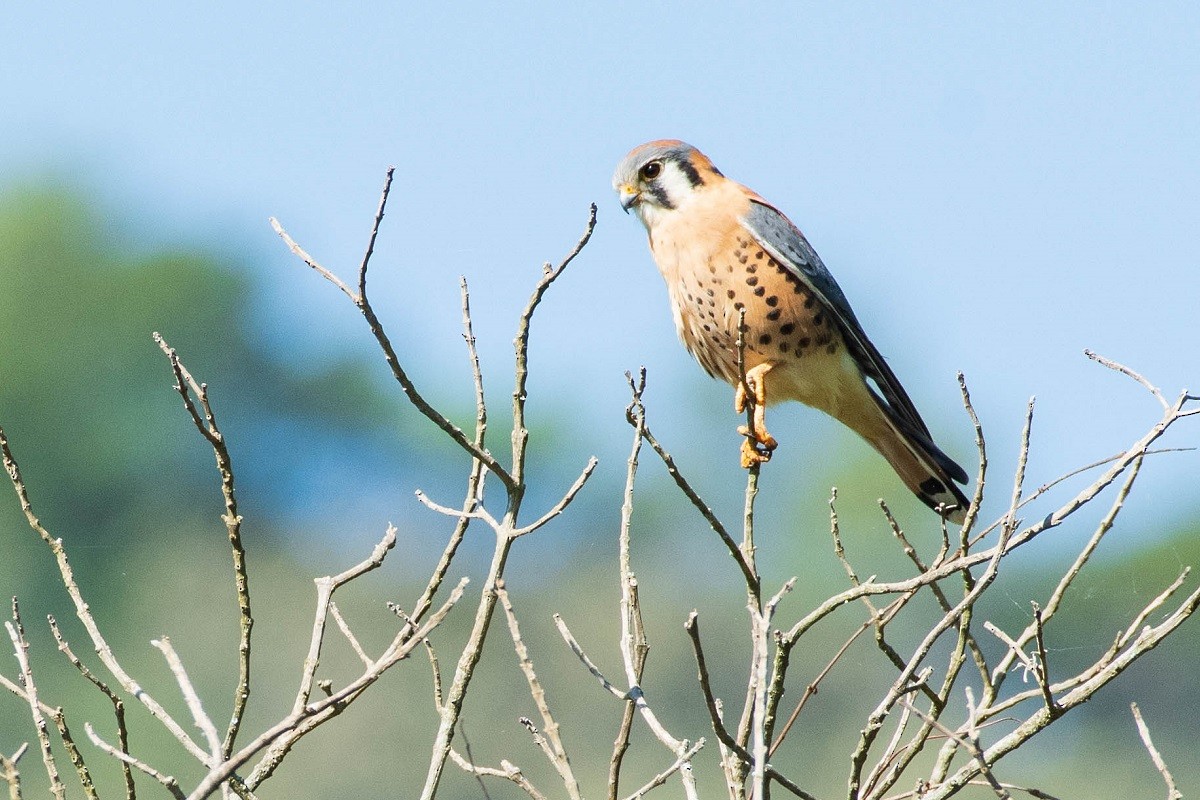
x: 629, y: 196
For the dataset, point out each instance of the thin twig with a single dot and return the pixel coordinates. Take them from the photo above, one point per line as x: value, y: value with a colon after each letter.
x: 479, y: 512
x: 1042, y: 673
x: 554, y: 747
x: 117, y: 703
x: 186, y: 385
x: 520, y: 434
x: 83, y: 611
x: 636, y: 415
x: 706, y: 512
x: 16, y: 634
x: 981, y: 448
x: 312, y: 262
x: 398, y: 372
x: 326, y: 586
x: 1124, y: 370
x: 971, y: 744
x: 577, y: 649
x: 462, y: 730
x: 281, y: 736
x: 1149, y: 638
x: 1173, y: 792
x: 60, y: 721
x: 10, y: 773
x: 507, y: 770
x: 167, y: 781
x: 188, y: 690
x: 811, y: 689
x: 692, y: 626
x: 366, y: 259
x: 349, y: 634
x: 563, y: 502
x: 683, y: 762
x: 1056, y: 597
x: 506, y: 533
x: 436, y: 671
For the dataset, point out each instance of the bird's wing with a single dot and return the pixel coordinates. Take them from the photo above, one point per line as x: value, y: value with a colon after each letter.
x: 787, y: 245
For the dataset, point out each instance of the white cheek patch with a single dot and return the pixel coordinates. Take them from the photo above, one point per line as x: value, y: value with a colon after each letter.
x: 668, y: 193
x: 675, y: 184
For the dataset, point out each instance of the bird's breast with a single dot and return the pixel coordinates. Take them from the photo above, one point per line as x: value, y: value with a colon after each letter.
x: 718, y: 275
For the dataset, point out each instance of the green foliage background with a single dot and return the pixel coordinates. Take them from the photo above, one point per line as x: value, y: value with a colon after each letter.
x: 327, y: 454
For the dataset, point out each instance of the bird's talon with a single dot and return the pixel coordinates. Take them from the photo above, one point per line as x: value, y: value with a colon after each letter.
x: 753, y: 454
x: 757, y: 447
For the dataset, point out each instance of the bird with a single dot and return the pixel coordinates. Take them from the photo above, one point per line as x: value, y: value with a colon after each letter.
x: 754, y: 304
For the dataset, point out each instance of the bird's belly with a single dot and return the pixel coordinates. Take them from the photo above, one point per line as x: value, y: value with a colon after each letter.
x: 785, y: 325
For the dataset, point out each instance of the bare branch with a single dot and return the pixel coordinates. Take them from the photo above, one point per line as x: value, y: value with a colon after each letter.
x: 366, y: 260
x: 635, y: 413
x: 520, y: 434
x: 811, y: 688
x: 569, y: 638
x: 506, y: 535
x: 1173, y: 793
x: 971, y: 744
x: 118, y: 704
x: 188, y: 690
x: 462, y: 730
x: 479, y: 512
x: 16, y: 635
x: 103, y: 650
x: 1147, y: 640
x: 186, y: 385
x: 60, y: 721
x: 325, y: 588
x: 9, y: 772
x: 981, y: 447
x: 1042, y: 674
x: 168, y: 782
x: 554, y: 747
x: 473, y: 358
x: 401, y: 376
x: 683, y: 762
x: 436, y: 671
x: 312, y: 262
x: 349, y: 634
x: 706, y: 512
x: 1015, y: 649
x: 281, y: 736
x: 1124, y: 370
x: 563, y: 502
x: 692, y: 626
x: 507, y: 770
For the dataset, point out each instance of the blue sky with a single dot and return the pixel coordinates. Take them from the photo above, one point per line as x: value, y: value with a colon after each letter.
x: 995, y: 189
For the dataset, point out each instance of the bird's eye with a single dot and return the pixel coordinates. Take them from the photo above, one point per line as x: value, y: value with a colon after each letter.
x: 651, y: 170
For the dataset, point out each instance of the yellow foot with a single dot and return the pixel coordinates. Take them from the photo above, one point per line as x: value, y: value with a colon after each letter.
x: 752, y: 393
x: 756, y: 450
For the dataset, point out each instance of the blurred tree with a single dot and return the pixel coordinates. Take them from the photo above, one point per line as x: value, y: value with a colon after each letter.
x: 86, y: 398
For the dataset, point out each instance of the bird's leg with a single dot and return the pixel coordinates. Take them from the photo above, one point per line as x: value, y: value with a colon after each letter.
x: 751, y: 393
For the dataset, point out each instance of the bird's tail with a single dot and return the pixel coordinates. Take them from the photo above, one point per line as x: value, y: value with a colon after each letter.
x: 928, y: 472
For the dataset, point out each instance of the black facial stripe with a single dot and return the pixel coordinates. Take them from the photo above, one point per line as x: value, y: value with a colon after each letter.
x: 689, y: 172
x: 660, y: 195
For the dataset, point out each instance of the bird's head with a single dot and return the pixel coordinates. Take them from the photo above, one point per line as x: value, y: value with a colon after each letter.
x: 661, y: 176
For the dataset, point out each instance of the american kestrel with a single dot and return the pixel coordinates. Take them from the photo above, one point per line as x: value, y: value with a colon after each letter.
x: 724, y: 252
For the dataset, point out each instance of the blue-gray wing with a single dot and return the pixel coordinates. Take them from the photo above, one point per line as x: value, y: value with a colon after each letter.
x: 787, y: 245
